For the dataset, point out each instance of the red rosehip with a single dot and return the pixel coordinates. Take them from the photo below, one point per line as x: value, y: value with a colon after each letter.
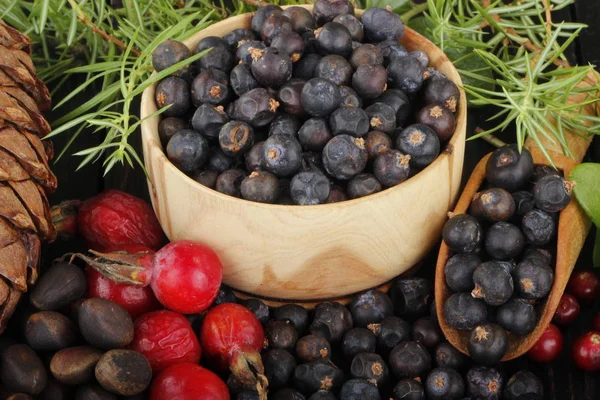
x: 136, y: 300
x: 584, y: 285
x: 586, y: 351
x: 567, y: 310
x: 596, y: 322
x: 114, y: 218
x: 188, y: 382
x: 548, y: 345
x: 166, y: 338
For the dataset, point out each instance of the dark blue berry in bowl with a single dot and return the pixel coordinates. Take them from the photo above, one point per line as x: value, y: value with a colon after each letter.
x: 210, y: 87
x: 371, y: 367
x: 331, y: 320
x: 408, y: 389
x: 410, y: 360
x: 262, y: 14
x: 351, y: 121
x: 381, y: 24
x: 274, y: 25
x: 305, y: 67
x: 236, y: 138
x: 211, y: 42
x: 285, y: 124
x: 358, y: 340
x: 253, y: 158
x: 552, y: 193
x: 533, y: 279
x: 242, y: 80
x: 366, y: 54
x: 427, y: 332
x: 314, y: 134
x: 420, y: 142
x: 313, y: 348
x: 320, y: 97
x: 538, y: 227
x: 188, y: 150
x: 508, y: 168
x: 462, y: 233
x: 302, y: 19
x: 169, y: 53
x: 493, y: 205
x: 484, y: 383
x: 442, y: 91
x: 488, y: 343
x: 345, y: 156
x: 353, y: 24
x: 542, y: 170
x: 524, y: 202
x: 174, y: 92
x: 391, y: 167
x: 294, y: 313
x: 399, y: 101
x: 377, y: 143
x: 209, y: 120
x: 517, y: 316
x: 524, y: 385
x: 463, y: 312
x: 382, y: 117
x: 290, y: 97
x: 369, y: 81
x: 289, y: 43
x: 438, y: 118
x: 256, y: 107
x: 327, y: 10
x: 271, y: 67
x: 370, y: 307
x: 390, y: 50
x: 238, y: 35
x: 359, y: 389
x: 312, y: 162
x: 310, y: 377
x: 390, y: 332
x: 350, y: 97
x: 260, y: 186
x: 406, y: 73
x: 444, y: 383
x: 447, y: 355
x: 459, y: 271
x: 279, y: 368
x: 206, y: 178
x: 335, y: 68
x: 309, y: 188
x: 504, y: 241
x: 247, y: 49
x: 218, y: 57
x: 334, y: 38
x: 229, y: 182
x: 337, y: 194
x: 362, y: 185
x: 541, y: 254
x: 218, y: 161
x: 422, y: 57
x: 282, y: 155
x: 493, y: 283
x: 170, y: 126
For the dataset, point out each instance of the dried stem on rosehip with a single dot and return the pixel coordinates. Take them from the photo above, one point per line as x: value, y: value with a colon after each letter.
x: 119, y: 266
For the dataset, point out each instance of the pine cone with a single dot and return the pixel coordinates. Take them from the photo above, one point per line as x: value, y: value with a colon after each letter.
x: 25, y: 176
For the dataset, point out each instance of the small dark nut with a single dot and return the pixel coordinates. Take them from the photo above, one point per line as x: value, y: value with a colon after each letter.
x: 105, y: 324
x: 93, y: 392
x: 75, y: 365
x: 59, y: 286
x: 21, y: 370
x: 55, y: 390
x: 125, y: 372
x: 50, y: 331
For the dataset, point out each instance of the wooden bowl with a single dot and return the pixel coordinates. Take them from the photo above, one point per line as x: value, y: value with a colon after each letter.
x: 309, y: 252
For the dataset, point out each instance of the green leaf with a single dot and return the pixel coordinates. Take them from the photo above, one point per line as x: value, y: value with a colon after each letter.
x: 586, y: 177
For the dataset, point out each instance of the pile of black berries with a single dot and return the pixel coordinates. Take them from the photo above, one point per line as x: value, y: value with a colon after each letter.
x: 304, y: 108
x: 380, y: 346
x: 502, y: 270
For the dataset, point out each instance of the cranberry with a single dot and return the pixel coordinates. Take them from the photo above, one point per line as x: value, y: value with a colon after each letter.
x: 567, y: 310
x: 188, y: 382
x: 596, y: 322
x: 185, y: 276
x: 232, y: 338
x: 113, y: 218
x: 584, y: 285
x: 165, y: 338
x: 136, y: 300
x: 586, y: 351
x: 548, y: 345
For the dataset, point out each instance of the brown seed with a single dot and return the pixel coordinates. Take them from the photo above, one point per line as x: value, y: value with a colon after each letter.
x: 49, y: 331
x: 55, y: 390
x: 93, y: 392
x: 75, y: 365
x: 125, y: 372
x: 21, y: 370
x: 59, y: 286
x: 105, y: 324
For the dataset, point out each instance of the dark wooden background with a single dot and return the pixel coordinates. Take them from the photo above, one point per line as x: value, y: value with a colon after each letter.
x: 562, y: 379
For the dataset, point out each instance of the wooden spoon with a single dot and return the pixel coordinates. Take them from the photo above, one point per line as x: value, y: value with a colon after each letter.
x: 573, y: 227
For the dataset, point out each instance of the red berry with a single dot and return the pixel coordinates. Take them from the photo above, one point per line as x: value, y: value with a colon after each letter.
x: 166, y: 338
x: 136, y: 300
x: 113, y: 218
x: 567, y: 310
x: 186, y: 276
x: 584, y: 285
x: 188, y: 382
x: 232, y: 337
x: 586, y: 351
x: 596, y: 322
x: 548, y: 345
